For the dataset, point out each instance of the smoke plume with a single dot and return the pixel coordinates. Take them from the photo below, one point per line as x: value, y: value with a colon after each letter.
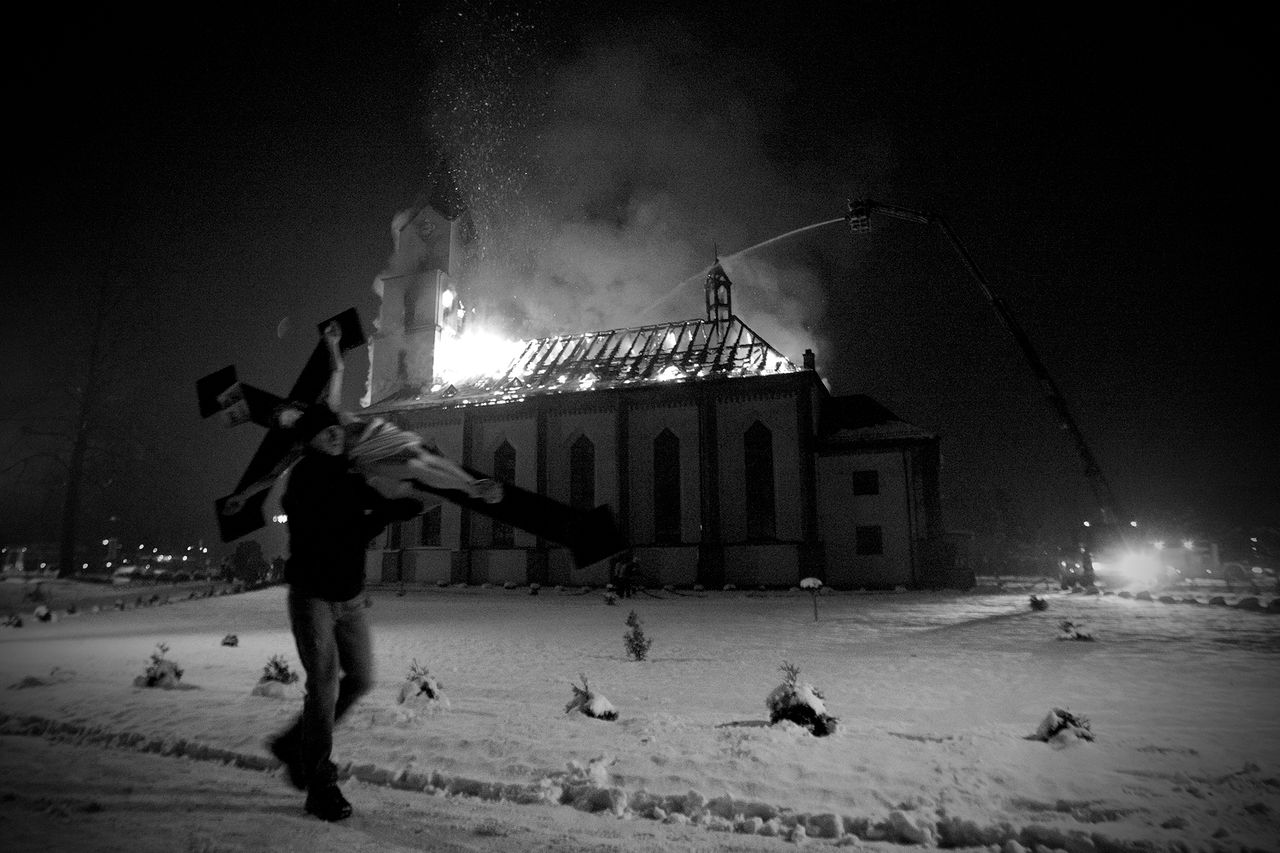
x: 604, y: 174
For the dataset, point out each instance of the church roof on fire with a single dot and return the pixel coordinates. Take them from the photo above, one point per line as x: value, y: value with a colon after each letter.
x: 663, y: 352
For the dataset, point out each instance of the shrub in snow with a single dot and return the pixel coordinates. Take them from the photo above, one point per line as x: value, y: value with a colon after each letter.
x: 278, y: 680
x: 277, y: 669
x: 13, y: 620
x: 533, y: 588
x: 590, y: 703
x: 160, y: 672
x: 509, y: 585
x: 1061, y: 726
x: 57, y: 675
x: 420, y: 687
x: 812, y: 585
x: 1038, y: 603
x: 800, y: 703
x: 610, y: 598
x: 231, y: 640
x: 1072, y: 631
x: 637, y: 643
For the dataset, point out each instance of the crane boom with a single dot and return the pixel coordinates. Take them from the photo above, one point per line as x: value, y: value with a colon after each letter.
x: 859, y: 219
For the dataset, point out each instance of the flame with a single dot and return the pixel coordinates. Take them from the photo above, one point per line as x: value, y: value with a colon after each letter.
x: 473, y: 354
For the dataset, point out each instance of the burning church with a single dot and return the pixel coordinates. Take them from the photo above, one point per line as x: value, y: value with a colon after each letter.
x: 724, y: 461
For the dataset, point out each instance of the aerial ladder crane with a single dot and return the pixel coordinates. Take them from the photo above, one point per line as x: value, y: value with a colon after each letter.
x: 859, y: 215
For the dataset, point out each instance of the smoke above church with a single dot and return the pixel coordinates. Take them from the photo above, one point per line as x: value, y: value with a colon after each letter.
x: 600, y: 182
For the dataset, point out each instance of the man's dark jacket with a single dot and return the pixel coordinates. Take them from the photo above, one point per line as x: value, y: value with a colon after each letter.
x: 333, y: 513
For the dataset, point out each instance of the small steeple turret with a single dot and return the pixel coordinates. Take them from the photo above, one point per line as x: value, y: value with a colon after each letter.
x: 719, y: 297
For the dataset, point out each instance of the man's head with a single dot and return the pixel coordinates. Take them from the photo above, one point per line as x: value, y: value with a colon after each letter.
x: 318, y: 428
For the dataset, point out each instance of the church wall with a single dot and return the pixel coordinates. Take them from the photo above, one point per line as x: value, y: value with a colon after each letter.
x: 669, y: 564
x: 747, y: 566
x: 734, y: 416
x: 646, y: 420
x: 519, y: 429
x: 444, y: 427
x: 900, y: 510
x: 499, y: 565
x: 564, y: 427
x: 841, y: 512
x: 426, y: 566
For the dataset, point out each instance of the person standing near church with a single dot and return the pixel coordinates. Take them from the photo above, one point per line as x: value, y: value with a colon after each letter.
x: 332, y: 514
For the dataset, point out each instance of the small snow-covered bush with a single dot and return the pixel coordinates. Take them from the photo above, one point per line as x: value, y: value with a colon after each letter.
x: 1072, y: 631
x: 590, y: 703
x: 1060, y: 726
x: 277, y: 669
x: 421, y: 687
x: 800, y: 703
x: 1038, y: 603
x: 278, y: 681
x: 637, y: 643
x: 231, y: 640
x: 160, y: 672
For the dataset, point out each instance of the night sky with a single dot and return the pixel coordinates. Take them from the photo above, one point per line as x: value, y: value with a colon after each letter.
x: 233, y: 179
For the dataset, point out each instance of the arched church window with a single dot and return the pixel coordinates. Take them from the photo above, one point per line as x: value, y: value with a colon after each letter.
x: 504, y: 469
x: 666, y: 487
x: 582, y: 473
x: 759, y: 492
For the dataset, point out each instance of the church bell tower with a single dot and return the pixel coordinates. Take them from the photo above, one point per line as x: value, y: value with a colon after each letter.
x: 420, y: 300
x: 719, y: 297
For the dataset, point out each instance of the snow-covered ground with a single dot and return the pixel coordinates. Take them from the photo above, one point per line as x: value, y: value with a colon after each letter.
x: 936, y: 695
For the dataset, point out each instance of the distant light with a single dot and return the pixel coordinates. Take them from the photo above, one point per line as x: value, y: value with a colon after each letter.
x: 106, y: 541
x: 280, y: 519
x: 1133, y: 524
x: 108, y: 564
x: 1086, y: 524
x: 85, y: 566
x: 1159, y: 545
x: 184, y: 558
x: 1188, y: 544
x: 1138, y: 569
